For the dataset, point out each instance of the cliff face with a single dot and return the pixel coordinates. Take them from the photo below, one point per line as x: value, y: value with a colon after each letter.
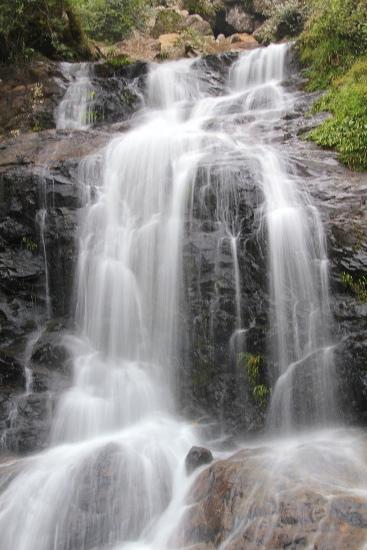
x: 41, y: 203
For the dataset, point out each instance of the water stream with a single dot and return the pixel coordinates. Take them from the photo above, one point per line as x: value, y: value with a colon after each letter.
x: 113, y: 476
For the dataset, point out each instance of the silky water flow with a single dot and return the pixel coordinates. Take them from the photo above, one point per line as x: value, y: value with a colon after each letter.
x: 114, y: 476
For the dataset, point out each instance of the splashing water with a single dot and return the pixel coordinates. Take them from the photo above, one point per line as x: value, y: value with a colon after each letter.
x: 114, y: 474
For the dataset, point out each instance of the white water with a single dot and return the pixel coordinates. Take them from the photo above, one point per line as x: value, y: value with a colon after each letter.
x: 75, y: 111
x: 114, y: 474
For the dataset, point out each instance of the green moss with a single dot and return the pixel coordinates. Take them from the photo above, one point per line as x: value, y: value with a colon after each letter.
x: 357, y: 286
x: 118, y: 61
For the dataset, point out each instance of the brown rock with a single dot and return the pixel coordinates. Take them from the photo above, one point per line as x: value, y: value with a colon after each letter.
x: 248, y: 501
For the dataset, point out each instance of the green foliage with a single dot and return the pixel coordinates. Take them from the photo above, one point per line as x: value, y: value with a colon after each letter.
x: 253, y: 365
x: 336, y: 33
x: 167, y: 21
x: 49, y: 27
x: 112, y: 20
x: 192, y: 38
x: 29, y: 244
x: 261, y: 394
x: 118, y: 61
x: 347, y: 130
x: 206, y: 8
x: 287, y: 19
x: 334, y: 49
x: 356, y: 286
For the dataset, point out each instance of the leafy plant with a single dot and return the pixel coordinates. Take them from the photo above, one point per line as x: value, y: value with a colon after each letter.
x: 112, y: 20
x: 205, y: 8
x: 30, y: 245
x: 347, y: 130
x: 357, y: 286
x: 335, y: 35
x: 253, y: 365
x: 334, y: 49
x: 49, y: 27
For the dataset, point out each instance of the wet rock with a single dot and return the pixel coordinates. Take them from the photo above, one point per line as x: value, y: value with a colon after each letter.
x: 29, y: 428
x: 196, y: 457
x: 28, y: 97
x: 11, y: 372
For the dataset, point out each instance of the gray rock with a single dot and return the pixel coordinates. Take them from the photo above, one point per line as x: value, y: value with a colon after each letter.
x: 196, y: 457
x: 240, y: 21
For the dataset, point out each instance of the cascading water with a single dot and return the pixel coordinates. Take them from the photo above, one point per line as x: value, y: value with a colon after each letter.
x: 114, y: 475
x: 75, y: 111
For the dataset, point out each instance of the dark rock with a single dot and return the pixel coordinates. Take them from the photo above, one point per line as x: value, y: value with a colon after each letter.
x: 196, y: 457
x: 11, y: 372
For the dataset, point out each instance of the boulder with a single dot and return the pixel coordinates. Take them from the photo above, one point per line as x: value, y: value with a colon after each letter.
x: 198, y: 24
x: 196, y: 457
x: 168, y: 21
x: 239, y: 20
x: 170, y: 46
x: 262, y: 498
x: 243, y: 41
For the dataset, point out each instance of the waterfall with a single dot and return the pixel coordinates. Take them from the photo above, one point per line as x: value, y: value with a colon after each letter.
x: 114, y: 475
x: 303, y: 392
x: 75, y: 111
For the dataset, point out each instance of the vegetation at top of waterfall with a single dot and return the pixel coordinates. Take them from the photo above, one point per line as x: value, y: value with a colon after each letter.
x: 112, y: 20
x: 62, y: 29
x: 333, y: 48
x: 49, y: 27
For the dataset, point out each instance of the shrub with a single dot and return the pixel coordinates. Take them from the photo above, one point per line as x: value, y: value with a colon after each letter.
x: 336, y: 33
x: 167, y: 21
x: 205, y: 8
x: 287, y: 20
x: 50, y: 27
x: 112, y: 20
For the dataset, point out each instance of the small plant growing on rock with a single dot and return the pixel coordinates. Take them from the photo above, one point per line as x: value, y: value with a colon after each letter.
x: 356, y: 286
x: 253, y: 365
x: 30, y: 245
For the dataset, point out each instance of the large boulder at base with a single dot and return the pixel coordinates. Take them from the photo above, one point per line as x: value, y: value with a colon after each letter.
x: 258, y: 498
